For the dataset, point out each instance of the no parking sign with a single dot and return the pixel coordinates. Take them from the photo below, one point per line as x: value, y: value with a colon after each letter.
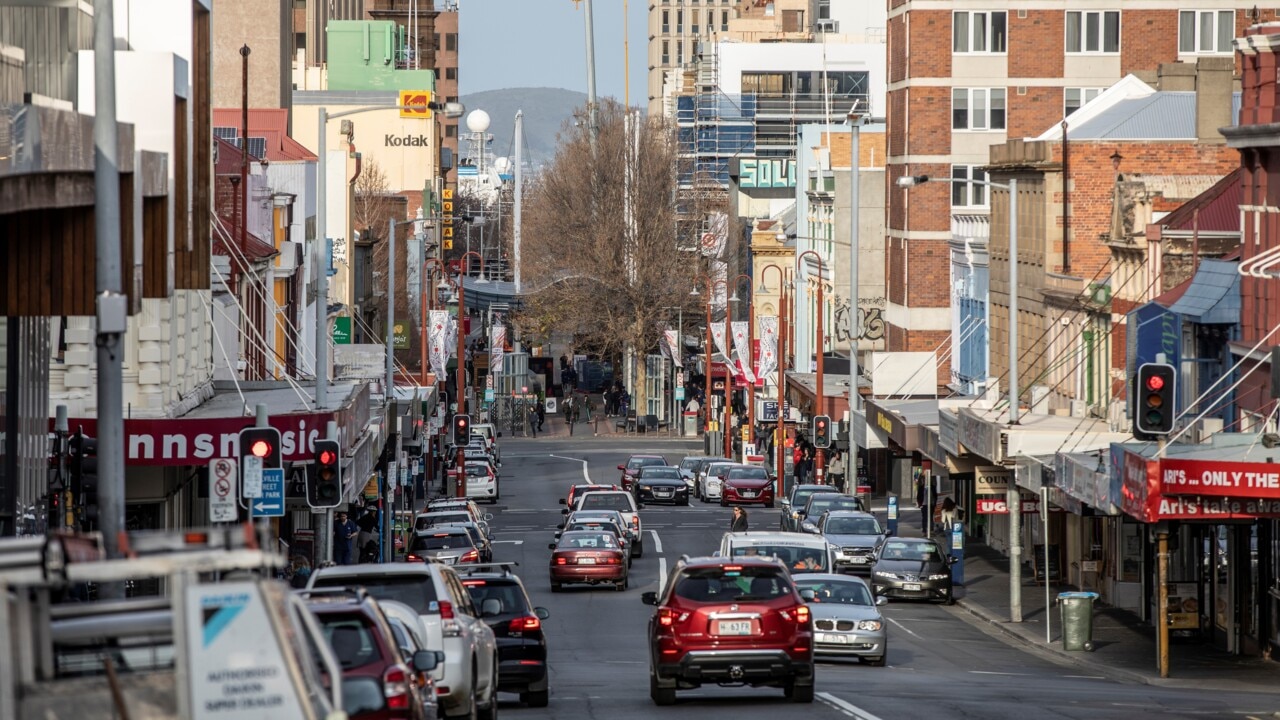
x: 222, y: 490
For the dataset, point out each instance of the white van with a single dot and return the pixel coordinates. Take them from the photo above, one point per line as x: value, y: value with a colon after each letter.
x: 801, y: 553
x: 620, y: 500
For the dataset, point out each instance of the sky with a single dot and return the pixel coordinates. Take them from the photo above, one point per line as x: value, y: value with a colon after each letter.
x: 541, y: 43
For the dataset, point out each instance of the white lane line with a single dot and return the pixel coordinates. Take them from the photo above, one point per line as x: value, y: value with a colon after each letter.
x: 662, y: 574
x: 506, y: 542
x: 905, y: 629
x: 585, y: 476
x: 1085, y: 677
x: 657, y: 543
x: 992, y: 672
x: 847, y: 708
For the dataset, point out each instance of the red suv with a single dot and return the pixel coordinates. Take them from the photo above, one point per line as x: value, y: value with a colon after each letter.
x: 747, y: 485
x: 731, y: 622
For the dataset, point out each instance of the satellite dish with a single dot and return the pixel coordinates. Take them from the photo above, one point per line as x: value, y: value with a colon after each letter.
x: 477, y: 121
x: 502, y: 164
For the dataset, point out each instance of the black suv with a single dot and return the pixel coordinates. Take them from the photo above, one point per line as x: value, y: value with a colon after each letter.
x: 517, y: 626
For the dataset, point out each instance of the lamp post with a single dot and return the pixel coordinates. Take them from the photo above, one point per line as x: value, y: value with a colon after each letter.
x: 751, y: 385
x: 1014, y: 499
x: 779, y: 445
x: 675, y: 416
x: 711, y: 287
x: 819, y: 456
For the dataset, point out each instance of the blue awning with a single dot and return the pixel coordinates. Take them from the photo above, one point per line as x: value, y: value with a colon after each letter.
x: 1213, y: 297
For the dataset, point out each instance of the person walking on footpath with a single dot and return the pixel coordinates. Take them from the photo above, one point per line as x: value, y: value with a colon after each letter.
x: 835, y: 468
x: 344, y: 532
x: 533, y: 421
x: 739, y: 522
x: 592, y: 415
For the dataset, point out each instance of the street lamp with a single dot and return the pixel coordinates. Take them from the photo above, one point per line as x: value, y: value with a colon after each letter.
x: 711, y: 287
x: 751, y: 384
x: 675, y: 415
x: 1014, y: 499
x: 819, y: 456
x: 779, y: 444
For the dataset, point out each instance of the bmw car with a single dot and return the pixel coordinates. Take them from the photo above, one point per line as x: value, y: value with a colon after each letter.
x: 846, y: 619
x: 912, y: 569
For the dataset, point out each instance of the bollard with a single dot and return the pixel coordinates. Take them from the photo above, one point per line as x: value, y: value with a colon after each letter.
x: 893, y: 515
x: 957, y: 552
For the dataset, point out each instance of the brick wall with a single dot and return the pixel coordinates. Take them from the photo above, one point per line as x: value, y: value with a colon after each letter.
x: 897, y: 32
x: 1147, y: 38
x: 930, y: 51
x: 1036, y: 43
x: 896, y: 126
x: 1036, y: 111
x: 930, y: 117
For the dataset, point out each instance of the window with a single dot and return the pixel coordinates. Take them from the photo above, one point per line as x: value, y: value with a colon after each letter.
x: 1206, y: 31
x: 451, y: 42
x: 451, y: 73
x: 666, y: 52
x: 979, y: 32
x: 451, y: 131
x: 824, y: 9
x: 679, y: 52
x: 666, y: 21
x: 1093, y: 32
x: 1075, y: 98
x: 977, y: 108
x: 711, y: 21
x: 963, y: 192
x: 724, y: 21
x: 679, y: 21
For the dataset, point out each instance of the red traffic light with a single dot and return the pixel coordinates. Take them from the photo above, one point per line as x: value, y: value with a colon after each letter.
x: 1154, y: 382
x: 260, y: 448
x: 327, y: 457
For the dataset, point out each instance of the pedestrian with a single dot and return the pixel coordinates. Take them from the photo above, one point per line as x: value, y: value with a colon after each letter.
x: 344, y: 532
x: 542, y: 413
x: 299, y: 572
x: 693, y: 405
x: 533, y: 421
x: 739, y: 522
x: 368, y: 525
x: 592, y: 415
x: 948, y: 513
x: 569, y: 410
x: 835, y: 468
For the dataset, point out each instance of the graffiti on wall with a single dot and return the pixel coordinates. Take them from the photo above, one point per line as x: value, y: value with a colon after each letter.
x: 870, y: 320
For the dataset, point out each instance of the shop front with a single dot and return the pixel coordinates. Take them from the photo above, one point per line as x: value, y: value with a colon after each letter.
x: 897, y: 423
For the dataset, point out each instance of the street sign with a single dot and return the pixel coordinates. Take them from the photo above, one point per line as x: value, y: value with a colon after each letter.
x: 252, y: 476
x: 392, y: 476
x: 769, y: 411
x: 404, y: 474
x: 400, y: 331
x: 488, y: 394
x: 222, y: 490
x: 679, y: 393
x: 447, y: 194
x: 271, y: 502
x: 415, y: 104
x: 342, y: 331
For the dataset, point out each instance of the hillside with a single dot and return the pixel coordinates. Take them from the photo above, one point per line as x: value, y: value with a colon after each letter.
x: 545, y: 112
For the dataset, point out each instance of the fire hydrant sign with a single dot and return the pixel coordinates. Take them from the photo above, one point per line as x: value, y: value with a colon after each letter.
x: 222, y: 490
x: 237, y: 669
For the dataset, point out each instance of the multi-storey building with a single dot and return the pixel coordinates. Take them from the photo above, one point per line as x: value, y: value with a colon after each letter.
x: 963, y: 79
x: 267, y: 28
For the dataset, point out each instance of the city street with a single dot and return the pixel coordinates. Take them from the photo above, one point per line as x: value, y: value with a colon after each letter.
x: 940, y: 665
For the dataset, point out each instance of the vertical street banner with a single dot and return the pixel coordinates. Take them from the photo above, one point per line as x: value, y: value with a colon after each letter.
x: 715, y: 236
x: 768, y: 344
x: 437, y: 349
x: 671, y: 342
x: 497, y: 341
x: 717, y: 334
x: 743, y: 349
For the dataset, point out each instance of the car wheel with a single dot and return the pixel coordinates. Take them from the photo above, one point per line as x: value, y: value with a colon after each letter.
x: 536, y: 698
x: 555, y: 587
x: 950, y: 599
x: 876, y: 661
x: 796, y: 692
x: 685, y: 501
x: 639, y: 549
x: 621, y: 585
x: 723, y: 502
x: 661, y: 695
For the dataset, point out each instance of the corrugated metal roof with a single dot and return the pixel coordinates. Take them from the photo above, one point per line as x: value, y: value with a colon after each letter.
x: 1159, y: 116
x: 1213, y: 295
x: 1219, y: 208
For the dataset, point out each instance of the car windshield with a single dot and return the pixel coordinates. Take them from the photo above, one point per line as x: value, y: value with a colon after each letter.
x: 477, y: 470
x: 507, y: 593
x: 817, y: 506
x: 793, y: 556
x: 415, y: 590
x: 595, y: 526
x: 748, y: 473
x: 842, y: 592
x: 441, y: 518
x: 800, y: 497
x: 689, y: 464
x: 853, y: 526
x: 639, y: 462
x: 589, y: 541
x: 660, y: 473
x: 926, y: 552
x: 440, y: 541
x: 351, y: 637
x: 731, y: 584
x: 607, y: 501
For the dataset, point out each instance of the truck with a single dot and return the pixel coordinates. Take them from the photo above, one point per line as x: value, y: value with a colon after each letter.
x: 225, y: 639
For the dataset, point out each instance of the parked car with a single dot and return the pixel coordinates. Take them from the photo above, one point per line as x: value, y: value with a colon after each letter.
x: 411, y: 638
x: 794, y: 503
x: 482, y: 482
x: 467, y: 680
x: 855, y: 536
x: 747, y: 485
x: 517, y: 626
x: 449, y: 516
x: 592, y: 557
x: 730, y: 621
x: 846, y: 619
x: 913, y: 568
x: 481, y: 539
x: 631, y: 468
x: 377, y: 682
x: 660, y: 484
x: 491, y: 434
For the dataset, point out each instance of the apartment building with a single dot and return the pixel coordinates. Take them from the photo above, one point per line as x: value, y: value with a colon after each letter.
x: 964, y: 79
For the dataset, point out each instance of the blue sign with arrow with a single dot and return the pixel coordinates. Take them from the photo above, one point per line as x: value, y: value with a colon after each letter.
x: 271, y: 502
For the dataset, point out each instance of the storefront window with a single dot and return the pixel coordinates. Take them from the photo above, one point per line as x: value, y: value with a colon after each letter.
x: 1131, y: 552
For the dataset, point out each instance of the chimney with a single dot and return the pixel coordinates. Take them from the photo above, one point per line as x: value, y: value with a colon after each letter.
x: 1176, y: 77
x: 1213, y: 97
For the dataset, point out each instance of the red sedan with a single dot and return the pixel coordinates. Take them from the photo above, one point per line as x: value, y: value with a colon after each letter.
x: 747, y: 485
x: 591, y: 557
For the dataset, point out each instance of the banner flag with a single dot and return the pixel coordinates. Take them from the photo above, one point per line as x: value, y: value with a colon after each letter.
x: 437, y: 348
x: 768, y: 344
x: 743, y: 349
x: 497, y: 343
x: 717, y: 334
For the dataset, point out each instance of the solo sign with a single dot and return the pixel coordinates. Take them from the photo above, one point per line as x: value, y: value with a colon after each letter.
x: 766, y: 173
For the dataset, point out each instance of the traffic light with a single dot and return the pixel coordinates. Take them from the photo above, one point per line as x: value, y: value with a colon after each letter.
x: 461, y: 430
x: 262, y: 443
x: 821, y: 432
x: 1154, y: 407
x: 84, y: 479
x: 325, y: 490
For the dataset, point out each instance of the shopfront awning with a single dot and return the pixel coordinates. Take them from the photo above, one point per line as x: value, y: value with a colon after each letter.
x: 1230, y: 479
x: 1213, y: 297
x: 902, y: 420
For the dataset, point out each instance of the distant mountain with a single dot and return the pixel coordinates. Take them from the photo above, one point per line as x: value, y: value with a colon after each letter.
x: 545, y: 112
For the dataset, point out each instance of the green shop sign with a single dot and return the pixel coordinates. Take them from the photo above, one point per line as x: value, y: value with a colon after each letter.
x: 342, y: 331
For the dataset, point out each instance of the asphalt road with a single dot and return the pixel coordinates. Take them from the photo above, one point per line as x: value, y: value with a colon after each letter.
x: 940, y: 665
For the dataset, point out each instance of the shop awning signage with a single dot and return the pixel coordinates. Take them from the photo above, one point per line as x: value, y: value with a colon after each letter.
x: 892, y: 426
x: 992, y: 479
x: 1178, y: 489
x: 1219, y: 479
x: 980, y: 436
x: 949, y: 432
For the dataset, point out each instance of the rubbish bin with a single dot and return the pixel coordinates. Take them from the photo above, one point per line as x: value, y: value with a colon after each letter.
x: 690, y: 424
x: 1077, y: 620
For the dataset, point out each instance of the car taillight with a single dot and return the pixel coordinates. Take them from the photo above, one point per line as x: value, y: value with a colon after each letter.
x: 395, y: 685
x: 446, y: 610
x: 802, y: 615
x: 521, y: 625
x: 560, y: 560
x: 413, y: 558
x: 613, y: 560
x: 668, y: 617
x: 635, y: 522
x: 470, y: 556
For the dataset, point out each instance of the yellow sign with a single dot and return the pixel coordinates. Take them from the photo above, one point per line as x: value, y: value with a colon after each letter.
x: 447, y: 205
x: 448, y: 244
x: 415, y: 104
x: 447, y: 233
x: 448, y: 193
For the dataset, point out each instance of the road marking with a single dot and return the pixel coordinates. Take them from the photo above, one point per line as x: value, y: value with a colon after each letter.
x: 904, y: 628
x: 657, y: 544
x: 847, y: 708
x: 585, y: 475
x: 506, y: 542
x: 1085, y: 677
x: 992, y: 672
x: 662, y: 574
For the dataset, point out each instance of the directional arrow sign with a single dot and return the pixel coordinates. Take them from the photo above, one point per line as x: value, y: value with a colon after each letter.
x: 271, y: 502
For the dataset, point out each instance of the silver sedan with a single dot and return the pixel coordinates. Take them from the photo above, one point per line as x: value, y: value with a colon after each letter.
x: 846, y: 619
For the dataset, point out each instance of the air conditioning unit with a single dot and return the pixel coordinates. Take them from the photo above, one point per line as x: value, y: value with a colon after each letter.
x: 827, y: 26
x: 1203, y: 431
x: 1079, y: 408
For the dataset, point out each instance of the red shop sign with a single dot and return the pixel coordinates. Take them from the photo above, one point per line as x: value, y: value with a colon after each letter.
x: 1220, y: 479
x: 999, y: 506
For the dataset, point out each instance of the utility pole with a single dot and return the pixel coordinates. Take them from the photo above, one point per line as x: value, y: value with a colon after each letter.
x: 854, y: 326
x: 1015, y: 495
x: 322, y: 271
x: 112, y: 304
x: 391, y: 314
x: 518, y: 196
x: 593, y: 126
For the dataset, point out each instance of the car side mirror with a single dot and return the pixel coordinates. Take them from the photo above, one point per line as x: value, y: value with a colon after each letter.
x: 808, y: 595
x: 649, y: 598
x: 551, y: 546
x: 561, y: 526
x: 488, y: 517
x: 621, y: 467
x: 564, y: 511
x: 499, y: 434
x: 542, y: 613
x: 882, y: 600
x: 563, y: 501
x: 425, y: 660
x: 809, y: 527
x: 952, y: 559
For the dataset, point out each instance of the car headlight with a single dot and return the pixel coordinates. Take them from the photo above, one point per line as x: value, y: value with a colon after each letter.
x: 870, y: 625
x: 942, y: 576
x: 645, y: 487
x: 883, y: 574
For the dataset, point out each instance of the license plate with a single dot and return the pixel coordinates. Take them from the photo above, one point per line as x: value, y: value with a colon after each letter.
x: 592, y: 561
x: 748, y: 493
x: 832, y: 639
x: 859, y: 560
x: 733, y: 627
x: 911, y: 587
x: 662, y: 493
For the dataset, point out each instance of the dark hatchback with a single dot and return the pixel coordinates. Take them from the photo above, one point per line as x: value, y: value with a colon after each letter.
x: 820, y: 502
x: 912, y: 569
x: 793, y: 505
x: 517, y: 626
x: 661, y: 484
